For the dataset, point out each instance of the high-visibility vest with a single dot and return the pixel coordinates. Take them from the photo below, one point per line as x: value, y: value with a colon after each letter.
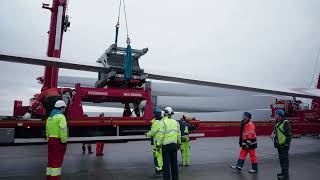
x: 56, y: 127
x: 281, y: 137
x: 169, y: 131
x: 154, y: 131
x: 186, y: 137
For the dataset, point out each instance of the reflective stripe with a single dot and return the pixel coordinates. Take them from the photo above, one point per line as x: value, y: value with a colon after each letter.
x: 55, y: 171
x: 170, y: 142
x: 48, y: 171
x: 172, y: 130
x: 165, y: 126
x: 166, y: 129
x: 248, y: 132
x: 56, y: 126
x: 279, y: 130
x: 53, y: 136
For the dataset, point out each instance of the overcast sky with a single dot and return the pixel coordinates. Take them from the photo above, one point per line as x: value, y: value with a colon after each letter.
x: 267, y: 43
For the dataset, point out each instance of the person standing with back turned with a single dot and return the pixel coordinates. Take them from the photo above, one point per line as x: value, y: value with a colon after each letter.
x: 185, y: 128
x: 155, y: 136
x: 57, y: 133
x: 170, y: 139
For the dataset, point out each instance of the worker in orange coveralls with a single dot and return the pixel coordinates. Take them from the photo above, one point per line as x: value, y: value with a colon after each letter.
x: 248, y: 144
x: 48, y: 97
x: 100, y: 145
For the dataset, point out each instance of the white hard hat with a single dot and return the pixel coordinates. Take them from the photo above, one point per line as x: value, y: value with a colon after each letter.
x: 168, y: 110
x: 60, y: 104
x: 26, y: 116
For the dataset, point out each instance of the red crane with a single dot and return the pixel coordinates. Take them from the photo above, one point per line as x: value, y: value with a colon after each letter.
x: 129, y: 91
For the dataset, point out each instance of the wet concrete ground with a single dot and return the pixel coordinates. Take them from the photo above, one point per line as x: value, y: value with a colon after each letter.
x: 133, y: 160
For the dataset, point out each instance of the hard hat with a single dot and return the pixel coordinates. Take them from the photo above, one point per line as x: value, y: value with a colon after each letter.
x: 168, y: 110
x: 60, y: 104
x: 280, y: 112
x: 157, y: 112
x: 186, y: 117
x: 26, y: 116
x: 247, y: 114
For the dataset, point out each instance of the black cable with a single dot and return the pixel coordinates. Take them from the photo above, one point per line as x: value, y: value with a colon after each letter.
x: 125, y: 16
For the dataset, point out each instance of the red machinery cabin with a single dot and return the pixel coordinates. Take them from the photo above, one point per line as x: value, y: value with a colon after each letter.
x: 304, y: 120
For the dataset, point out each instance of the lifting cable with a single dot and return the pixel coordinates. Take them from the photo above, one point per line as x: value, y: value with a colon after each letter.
x: 118, y: 22
x: 128, y: 60
x: 128, y: 52
x: 125, y: 17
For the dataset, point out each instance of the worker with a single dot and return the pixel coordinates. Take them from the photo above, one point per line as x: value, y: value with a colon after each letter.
x: 86, y: 144
x: 100, y: 145
x: 170, y: 139
x: 48, y: 97
x: 56, y: 133
x: 185, y: 128
x: 88, y: 147
x: 248, y: 144
x: 154, y: 134
x: 282, y: 138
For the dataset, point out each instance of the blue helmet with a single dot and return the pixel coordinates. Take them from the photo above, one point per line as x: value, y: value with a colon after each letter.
x: 280, y: 112
x: 247, y: 114
x: 157, y: 112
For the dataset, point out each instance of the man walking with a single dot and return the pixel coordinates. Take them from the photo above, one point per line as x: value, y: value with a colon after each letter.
x: 248, y: 144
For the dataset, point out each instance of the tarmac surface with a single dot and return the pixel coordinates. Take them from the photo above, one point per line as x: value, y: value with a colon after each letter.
x: 211, y: 158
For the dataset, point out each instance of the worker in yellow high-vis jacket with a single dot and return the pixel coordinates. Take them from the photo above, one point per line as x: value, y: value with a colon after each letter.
x: 170, y: 139
x: 155, y: 137
x: 185, y: 128
x: 56, y: 131
x: 282, y: 138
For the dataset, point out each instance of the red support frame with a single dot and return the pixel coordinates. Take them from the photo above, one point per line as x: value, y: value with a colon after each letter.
x: 100, y: 95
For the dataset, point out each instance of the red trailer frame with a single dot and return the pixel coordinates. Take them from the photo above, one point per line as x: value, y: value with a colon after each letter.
x: 304, y: 121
